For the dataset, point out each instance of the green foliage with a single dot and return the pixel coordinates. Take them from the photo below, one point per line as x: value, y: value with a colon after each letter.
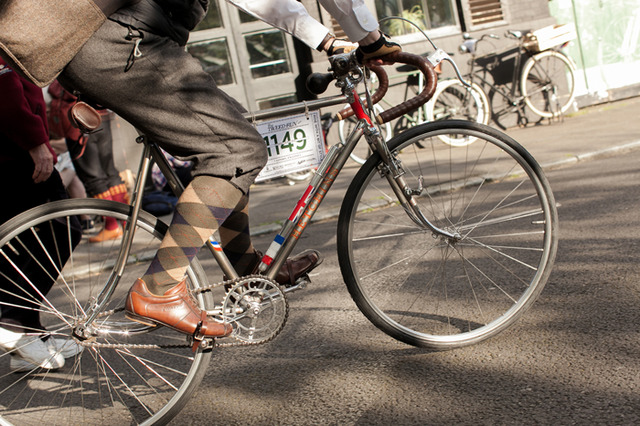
x: 396, y: 27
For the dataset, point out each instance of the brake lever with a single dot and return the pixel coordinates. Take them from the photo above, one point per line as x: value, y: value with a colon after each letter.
x: 440, y: 55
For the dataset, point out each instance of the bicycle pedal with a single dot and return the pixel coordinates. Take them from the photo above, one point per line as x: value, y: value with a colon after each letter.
x: 203, y: 344
x: 301, y: 283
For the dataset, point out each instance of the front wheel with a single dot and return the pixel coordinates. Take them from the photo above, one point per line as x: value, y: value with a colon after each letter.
x: 126, y: 373
x: 439, y: 292
x: 548, y: 83
x: 454, y: 100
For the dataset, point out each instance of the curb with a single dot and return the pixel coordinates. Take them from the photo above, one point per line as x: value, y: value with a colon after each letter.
x: 607, y: 152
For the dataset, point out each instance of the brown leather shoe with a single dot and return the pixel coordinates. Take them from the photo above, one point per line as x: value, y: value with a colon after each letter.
x: 292, y: 269
x: 175, y: 309
x: 296, y: 266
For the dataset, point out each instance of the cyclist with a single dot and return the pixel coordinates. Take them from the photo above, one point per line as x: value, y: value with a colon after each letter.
x: 136, y: 65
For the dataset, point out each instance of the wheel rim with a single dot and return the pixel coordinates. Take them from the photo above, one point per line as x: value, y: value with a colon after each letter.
x: 430, y: 292
x: 548, y: 84
x: 455, y: 101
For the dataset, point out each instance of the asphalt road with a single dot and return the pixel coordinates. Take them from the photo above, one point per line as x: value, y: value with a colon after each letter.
x: 572, y: 359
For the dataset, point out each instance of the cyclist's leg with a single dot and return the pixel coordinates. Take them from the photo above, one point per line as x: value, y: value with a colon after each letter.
x: 201, y: 122
x: 198, y: 122
x: 236, y: 241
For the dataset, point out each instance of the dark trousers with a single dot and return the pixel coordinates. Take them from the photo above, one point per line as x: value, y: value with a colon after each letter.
x: 166, y: 94
x: 93, y: 160
x: 30, y: 270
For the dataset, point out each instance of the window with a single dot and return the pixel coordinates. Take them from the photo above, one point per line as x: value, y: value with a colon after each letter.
x: 214, y: 57
x: 212, y: 20
x: 267, y: 53
x: 485, y: 11
x: 426, y: 14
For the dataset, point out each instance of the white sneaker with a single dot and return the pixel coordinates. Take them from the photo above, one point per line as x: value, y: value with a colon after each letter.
x: 29, y: 351
x: 67, y: 347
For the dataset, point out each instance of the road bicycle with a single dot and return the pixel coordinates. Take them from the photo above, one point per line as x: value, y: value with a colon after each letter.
x: 543, y: 81
x: 439, y: 246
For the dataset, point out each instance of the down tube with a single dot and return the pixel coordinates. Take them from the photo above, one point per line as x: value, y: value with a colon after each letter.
x: 284, y: 242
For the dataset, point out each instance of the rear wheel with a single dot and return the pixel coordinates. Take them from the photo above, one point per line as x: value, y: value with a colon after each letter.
x: 453, y: 100
x: 439, y: 292
x: 127, y: 372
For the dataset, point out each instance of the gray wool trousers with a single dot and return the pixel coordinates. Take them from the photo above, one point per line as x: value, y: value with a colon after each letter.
x: 166, y: 95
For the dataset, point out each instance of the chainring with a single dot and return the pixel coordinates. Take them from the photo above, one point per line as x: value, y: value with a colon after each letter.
x: 257, y: 308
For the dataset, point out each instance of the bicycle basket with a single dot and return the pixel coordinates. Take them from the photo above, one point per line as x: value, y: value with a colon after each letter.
x: 499, y: 65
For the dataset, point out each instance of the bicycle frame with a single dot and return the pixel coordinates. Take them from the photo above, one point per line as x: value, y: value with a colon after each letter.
x: 284, y: 242
x: 511, y: 96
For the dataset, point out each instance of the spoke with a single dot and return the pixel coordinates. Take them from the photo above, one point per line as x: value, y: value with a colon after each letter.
x: 496, y: 285
x: 495, y: 250
x: 148, y: 367
x: 48, y: 303
x: 496, y: 207
x: 377, y: 271
x: 502, y: 219
x: 386, y: 236
x: 127, y: 387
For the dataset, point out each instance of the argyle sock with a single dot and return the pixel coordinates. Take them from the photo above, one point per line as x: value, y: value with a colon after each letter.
x: 236, y: 239
x: 203, y: 206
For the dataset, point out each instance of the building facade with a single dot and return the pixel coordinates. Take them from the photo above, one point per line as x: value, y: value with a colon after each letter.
x: 607, y: 50
x: 262, y: 67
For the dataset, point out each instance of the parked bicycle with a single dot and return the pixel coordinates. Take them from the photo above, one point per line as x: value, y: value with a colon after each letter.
x: 542, y: 80
x: 439, y: 248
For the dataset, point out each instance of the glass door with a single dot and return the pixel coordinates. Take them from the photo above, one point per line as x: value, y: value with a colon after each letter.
x: 248, y: 59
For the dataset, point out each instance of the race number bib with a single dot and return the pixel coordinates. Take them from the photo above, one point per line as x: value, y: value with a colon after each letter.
x: 293, y: 144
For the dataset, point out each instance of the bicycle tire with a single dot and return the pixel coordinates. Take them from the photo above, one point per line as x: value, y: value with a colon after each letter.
x: 362, y: 150
x: 407, y: 121
x: 114, y: 385
x: 548, y: 83
x: 452, y: 100
x: 431, y: 292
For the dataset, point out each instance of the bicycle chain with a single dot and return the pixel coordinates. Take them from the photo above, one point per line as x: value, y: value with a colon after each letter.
x: 216, y: 343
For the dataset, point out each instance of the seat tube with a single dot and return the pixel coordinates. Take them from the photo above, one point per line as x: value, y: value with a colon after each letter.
x: 125, y: 248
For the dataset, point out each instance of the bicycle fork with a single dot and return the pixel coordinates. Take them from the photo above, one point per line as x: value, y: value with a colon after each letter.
x: 392, y: 170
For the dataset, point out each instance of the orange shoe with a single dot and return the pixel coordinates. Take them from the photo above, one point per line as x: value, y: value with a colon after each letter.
x: 175, y: 309
x: 107, y: 235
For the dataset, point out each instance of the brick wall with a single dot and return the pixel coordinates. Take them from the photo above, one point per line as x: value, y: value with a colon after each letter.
x: 523, y: 12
